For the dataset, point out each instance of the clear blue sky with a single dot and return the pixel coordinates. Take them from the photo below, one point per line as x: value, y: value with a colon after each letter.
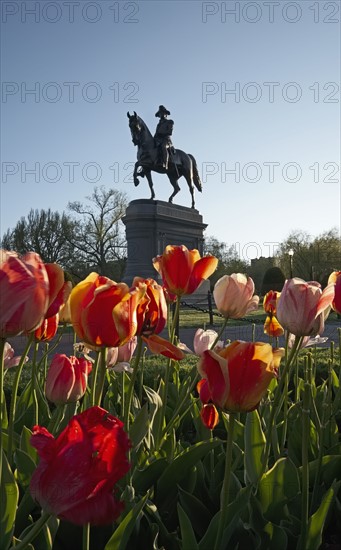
x: 90, y: 62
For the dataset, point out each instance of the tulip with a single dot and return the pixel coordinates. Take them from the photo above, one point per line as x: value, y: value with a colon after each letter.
x: 24, y: 293
x: 270, y: 302
x: 126, y: 351
x: 203, y: 340
x: 59, y: 289
x: 103, y: 313
x: 183, y: 270
x: 271, y: 326
x: 152, y: 309
x: 335, y: 278
x: 47, y: 329
x: 301, y: 306
x: 209, y: 416
x: 237, y: 377
x: 161, y: 346
x: 78, y: 470
x: 9, y: 359
x: 66, y: 379
x: 233, y: 295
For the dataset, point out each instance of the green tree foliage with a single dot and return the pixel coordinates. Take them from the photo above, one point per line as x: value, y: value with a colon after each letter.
x: 229, y: 261
x: 47, y: 233
x: 313, y: 258
x: 274, y: 279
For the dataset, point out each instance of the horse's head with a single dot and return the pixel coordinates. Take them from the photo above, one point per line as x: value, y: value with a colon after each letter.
x: 135, y: 127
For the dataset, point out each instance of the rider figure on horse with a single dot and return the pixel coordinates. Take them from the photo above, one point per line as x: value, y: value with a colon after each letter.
x: 163, y: 134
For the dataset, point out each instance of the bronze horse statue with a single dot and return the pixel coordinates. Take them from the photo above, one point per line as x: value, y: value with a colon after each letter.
x: 180, y: 163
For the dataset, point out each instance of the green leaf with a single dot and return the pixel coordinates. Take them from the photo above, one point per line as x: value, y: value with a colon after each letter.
x: 144, y: 479
x: 4, y: 418
x: 26, y: 446
x: 25, y: 467
x: 234, y: 511
x: 254, y: 446
x: 188, y: 539
x: 140, y: 427
x: 9, y: 495
x: 197, y: 512
x: 316, y: 522
x: 180, y: 467
x: 44, y: 540
x: 277, y: 487
x: 122, y: 534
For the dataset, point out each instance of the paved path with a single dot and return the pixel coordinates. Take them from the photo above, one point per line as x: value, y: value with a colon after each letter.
x: 241, y: 332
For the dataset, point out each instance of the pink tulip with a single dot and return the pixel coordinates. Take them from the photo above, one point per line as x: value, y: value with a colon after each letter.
x: 126, y: 351
x: 203, y: 340
x: 233, y: 295
x: 24, y: 293
x: 9, y: 359
x: 301, y: 306
x: 67, y: 379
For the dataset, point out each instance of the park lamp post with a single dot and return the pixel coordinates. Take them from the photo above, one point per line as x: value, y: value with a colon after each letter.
x: 291, y: 253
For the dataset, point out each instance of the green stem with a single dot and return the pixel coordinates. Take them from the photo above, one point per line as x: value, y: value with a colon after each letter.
x: 321, y: 448
x: 277, y: 400
x: 94, y: 379
x: 220, y: 333
x: 305, y: 461
x: 34, y: 385
x: 14, y: 396
x: 2, y: 400
x: 168, y: 368
x: 224, y: 495
x: 33, y: 533
x: 132, y: 385
x: 102, y: 372
x: 86, y: 537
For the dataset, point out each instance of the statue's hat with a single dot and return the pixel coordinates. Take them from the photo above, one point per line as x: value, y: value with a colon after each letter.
x: 162, y: 110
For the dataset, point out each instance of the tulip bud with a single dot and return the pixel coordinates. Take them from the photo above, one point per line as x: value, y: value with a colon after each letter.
x: 67, y: 379
x: 209, y: 416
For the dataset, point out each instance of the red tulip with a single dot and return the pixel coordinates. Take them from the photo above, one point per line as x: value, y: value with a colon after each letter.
x: 335, y: 278
x: 104, y: 313
x: 233, y: 295
x: 183, y: 270
x: 152, y: 309
x: 301, y: 306
x: 66, y: 379
x: 209, y: 416
x: 236, y: 378
x: 78, y: 470
x: 24, y: 293
x: 47, y: 329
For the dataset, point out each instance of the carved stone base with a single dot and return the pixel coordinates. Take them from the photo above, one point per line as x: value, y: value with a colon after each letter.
x: 152, y: 225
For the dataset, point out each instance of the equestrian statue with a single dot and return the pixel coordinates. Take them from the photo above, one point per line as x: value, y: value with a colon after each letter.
x: 158, y: 154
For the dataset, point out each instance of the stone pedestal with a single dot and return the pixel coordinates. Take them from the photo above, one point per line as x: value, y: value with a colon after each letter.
x: 152, y: 225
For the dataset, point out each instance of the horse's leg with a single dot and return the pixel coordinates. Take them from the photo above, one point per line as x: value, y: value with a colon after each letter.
x: 175, y: 184
x: 189, y: 180
x: 135, y: 178
x: 148, y: 175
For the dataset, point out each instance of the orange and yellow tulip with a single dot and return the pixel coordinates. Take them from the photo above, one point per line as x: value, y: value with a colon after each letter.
x: 335, y: 278
x: 237, y: 377
x: 103, y: 312
x: 152, y: 309
x: 271, y: 326
x: 183, y: 270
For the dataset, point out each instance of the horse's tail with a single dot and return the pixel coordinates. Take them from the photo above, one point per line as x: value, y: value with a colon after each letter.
x: 196, y: 177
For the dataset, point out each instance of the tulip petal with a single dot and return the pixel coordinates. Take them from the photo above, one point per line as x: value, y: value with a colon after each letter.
x: 156, y: 344
x: 214, y: 369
